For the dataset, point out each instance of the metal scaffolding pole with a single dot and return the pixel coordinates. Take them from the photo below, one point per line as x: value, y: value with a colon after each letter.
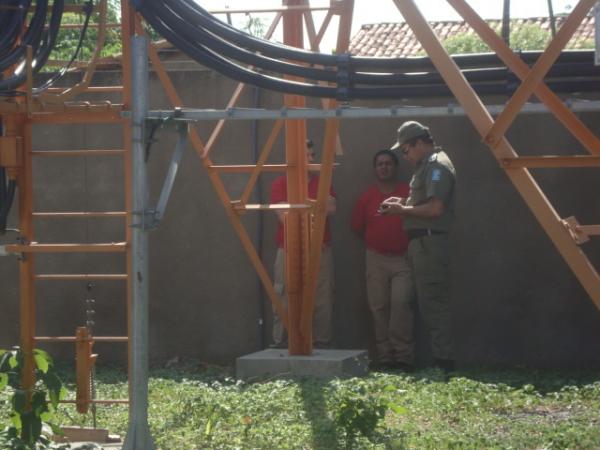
x: 347, y: 112
x: 138, y: 432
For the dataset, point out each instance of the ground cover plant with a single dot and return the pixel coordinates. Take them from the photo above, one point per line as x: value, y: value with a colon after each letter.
x: 195, y: 407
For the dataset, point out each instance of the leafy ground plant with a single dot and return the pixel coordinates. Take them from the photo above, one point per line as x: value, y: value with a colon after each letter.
x: 32, y: 410
x: 192, y: 407
x: 359, y: 410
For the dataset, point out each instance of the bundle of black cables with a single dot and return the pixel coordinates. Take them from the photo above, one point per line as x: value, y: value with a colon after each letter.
x: 227, y: 50
x: 40, y: 39
x: 12, y: 19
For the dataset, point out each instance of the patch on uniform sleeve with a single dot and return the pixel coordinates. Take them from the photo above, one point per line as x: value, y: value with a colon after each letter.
x: 436, y: 175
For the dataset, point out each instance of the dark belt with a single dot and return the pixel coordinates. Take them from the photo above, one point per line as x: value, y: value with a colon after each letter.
x: 420, y: 232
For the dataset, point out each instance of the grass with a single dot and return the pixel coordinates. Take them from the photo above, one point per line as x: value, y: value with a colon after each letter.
x: 194, y: 407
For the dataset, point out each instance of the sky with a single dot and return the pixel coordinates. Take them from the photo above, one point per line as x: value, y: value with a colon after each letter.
x: 377, y: 11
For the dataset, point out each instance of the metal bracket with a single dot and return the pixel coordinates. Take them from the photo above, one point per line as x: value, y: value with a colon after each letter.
x: 580, y: 233
x: 151, y: 217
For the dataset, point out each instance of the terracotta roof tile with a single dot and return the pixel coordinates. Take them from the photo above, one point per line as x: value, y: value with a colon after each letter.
x: 397, y: 39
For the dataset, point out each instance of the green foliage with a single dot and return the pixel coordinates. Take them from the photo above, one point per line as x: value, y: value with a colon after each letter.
x: 358, y: 409
x: 465, y: 43
x: 68, y: 38
x: 192, y: 407
x: 32, y: 411
x: 255, y: 26
x: 525, y: 37
x: 529, y: 37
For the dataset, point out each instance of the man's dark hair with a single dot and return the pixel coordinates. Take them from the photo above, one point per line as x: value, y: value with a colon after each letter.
x: 390, y: 153
x: 309, y: 143
x: 426, y: 138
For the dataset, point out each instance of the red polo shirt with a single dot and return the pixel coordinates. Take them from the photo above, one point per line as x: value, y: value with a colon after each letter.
x: 383, y: 234
x: 279, y: 195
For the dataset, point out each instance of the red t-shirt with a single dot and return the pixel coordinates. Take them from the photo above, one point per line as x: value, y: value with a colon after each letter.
x: 279, y: 195
x: 383, y: 234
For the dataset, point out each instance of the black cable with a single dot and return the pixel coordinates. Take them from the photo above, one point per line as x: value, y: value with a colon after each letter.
x: 88, y: 8
x: 31, y: 37
x: 11, y: 24
x: 43, y: 47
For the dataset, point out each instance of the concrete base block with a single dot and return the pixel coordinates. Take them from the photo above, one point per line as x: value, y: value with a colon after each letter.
x: 321, y: 364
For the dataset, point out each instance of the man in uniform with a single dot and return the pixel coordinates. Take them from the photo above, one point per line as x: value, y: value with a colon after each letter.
x: 388, y: 277
x: 324, y: 298
x: 428, y: 214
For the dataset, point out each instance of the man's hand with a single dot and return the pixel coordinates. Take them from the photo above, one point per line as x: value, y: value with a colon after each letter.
x: 392, y: 205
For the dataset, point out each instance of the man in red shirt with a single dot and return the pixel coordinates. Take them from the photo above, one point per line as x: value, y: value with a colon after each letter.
x: 324, y: 292
x: 389, y: 285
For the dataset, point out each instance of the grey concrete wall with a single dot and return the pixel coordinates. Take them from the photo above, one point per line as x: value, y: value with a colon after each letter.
x: 515, y: 301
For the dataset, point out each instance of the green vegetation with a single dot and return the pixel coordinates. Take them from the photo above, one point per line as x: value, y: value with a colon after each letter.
x: 28, y: 413
x: 196, y: 408
x: 526, y: 37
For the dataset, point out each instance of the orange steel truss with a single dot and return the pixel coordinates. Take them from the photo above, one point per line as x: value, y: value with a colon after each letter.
x: 566, y: 234
x: 304, y: 219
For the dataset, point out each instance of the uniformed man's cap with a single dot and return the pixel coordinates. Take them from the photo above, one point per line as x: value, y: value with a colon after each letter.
x: 410, y: 130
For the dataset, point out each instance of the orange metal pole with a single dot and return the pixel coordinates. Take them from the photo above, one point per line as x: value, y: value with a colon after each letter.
x: 330, y: 143
x: 521, y: 178
x: 296, y: 223
x: 516, y: 64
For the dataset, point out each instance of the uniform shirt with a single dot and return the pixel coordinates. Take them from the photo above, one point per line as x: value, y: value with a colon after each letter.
x: 434, y: 177
x: 383, y: 233
x: 279, y: 195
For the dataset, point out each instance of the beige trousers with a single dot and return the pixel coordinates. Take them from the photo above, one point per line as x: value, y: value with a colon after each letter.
x: 323, y: 299
x: 390, y: 297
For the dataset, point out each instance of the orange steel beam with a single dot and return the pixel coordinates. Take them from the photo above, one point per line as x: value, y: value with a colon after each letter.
x: 296, y: 223
x: 264, y: 154
x: 220, y: 189
x: 521, y: 178
x: 113, y: 247
x: 330, y: 143
x: 537, y: 74
x: 318, y: 231
x: 521, y: 69
x: 551, y: 161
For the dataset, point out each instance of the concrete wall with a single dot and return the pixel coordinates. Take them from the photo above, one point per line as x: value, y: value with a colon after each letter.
x: 515, y: 301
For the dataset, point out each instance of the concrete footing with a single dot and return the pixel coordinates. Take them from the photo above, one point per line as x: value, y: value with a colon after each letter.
x: 321, y: 364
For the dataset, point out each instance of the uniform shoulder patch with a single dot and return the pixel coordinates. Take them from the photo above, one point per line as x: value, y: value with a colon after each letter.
x: 436, y: 175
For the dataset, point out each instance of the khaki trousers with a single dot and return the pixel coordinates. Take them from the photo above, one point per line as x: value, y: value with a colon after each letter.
x: 428, y: 258
x: 323, y: 299
x: 390, y: 298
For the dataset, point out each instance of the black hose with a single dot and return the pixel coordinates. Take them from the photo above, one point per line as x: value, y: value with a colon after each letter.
x: 88, y: 8
x: 11, y: 24
x: 43, y: 46
x: 32, y: 37
x: 220, y: 47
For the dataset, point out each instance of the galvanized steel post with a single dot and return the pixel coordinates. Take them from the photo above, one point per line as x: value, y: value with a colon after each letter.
x: 138, y: 433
